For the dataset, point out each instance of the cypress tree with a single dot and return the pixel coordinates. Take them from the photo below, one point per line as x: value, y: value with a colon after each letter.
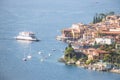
x: 94, y: 20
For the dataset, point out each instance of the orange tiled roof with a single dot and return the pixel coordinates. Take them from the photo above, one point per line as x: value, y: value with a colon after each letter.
x: 110, y: 32
x: 101, y: 51
x: 98, y: 51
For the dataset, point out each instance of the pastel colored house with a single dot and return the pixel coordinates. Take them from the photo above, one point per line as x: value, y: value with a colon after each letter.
x: 95, y: 54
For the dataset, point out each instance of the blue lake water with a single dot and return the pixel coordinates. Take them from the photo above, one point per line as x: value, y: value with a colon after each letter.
x: 46, y: 18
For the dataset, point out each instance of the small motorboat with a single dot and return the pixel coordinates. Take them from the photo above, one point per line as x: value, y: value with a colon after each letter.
x: 53, y: 49
x: 24, y: 59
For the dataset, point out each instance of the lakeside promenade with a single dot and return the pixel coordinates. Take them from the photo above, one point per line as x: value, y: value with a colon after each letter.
x: 90, y: 67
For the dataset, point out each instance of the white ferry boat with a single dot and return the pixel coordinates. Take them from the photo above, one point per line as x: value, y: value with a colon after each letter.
x: 30, y: 36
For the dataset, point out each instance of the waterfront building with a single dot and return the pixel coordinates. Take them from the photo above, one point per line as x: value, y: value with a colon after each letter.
x: 102, y: 66
x: 80, y: 46
x: 74, y: 32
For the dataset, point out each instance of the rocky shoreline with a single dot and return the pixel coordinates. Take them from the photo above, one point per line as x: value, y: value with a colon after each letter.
x: 91, y: 66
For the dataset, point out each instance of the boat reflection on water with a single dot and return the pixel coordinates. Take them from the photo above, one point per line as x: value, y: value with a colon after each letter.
x: 25, y: 42
x: 26, y: 45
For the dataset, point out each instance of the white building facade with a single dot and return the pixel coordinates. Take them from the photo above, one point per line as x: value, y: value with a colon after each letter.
x: 104, y: 41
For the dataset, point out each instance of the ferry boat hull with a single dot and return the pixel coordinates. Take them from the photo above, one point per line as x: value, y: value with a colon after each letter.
x: 27, y: 39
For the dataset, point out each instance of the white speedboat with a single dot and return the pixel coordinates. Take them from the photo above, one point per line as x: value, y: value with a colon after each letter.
x: 30, y: 36
x: 29, y: 56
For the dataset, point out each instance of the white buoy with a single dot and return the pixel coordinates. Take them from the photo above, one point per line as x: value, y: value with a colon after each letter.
x: 39, y: 52
x: 49, y: 54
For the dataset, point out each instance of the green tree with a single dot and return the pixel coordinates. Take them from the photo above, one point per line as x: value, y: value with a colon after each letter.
x: 111, y: 13
x: 69, y: 49
x: 107, y: 58
x: 99, y: 17
x: 89, y: 62
x: 94, y: 20
x: 69, y: 52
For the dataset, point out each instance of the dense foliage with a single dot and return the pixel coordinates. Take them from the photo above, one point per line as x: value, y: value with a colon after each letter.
x: 70, y: 54
x: 114, y: 54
